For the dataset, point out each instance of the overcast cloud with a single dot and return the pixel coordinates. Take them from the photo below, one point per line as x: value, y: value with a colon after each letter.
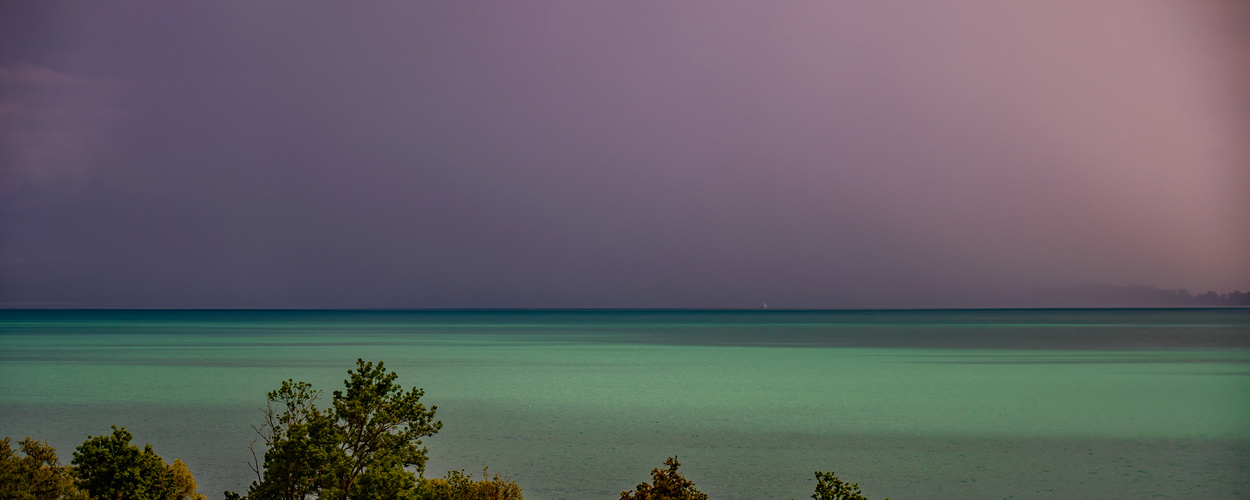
x: 618, y: 154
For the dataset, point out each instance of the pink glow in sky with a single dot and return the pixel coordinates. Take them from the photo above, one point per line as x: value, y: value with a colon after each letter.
x: 619, y: 154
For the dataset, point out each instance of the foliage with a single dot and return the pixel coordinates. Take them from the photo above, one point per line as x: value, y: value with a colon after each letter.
x: 457, y: 485
x: 302, y: 445
x: 829, y: 487
x: 36, y: 476
x: 667, y: 484
x: 366, y: 444
x: 184, y: 483
x: 109, y: 467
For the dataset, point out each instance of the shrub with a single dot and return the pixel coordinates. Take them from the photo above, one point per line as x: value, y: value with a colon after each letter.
x: 457, y: 485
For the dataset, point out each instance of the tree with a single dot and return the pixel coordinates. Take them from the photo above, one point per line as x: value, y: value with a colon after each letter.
x: 667, y: 484
x: 302, y: 445
x: 829, y: 487
x: 184, y: 483
x: 108, y: 467
x: 36, y: 476
x: 367, y: 444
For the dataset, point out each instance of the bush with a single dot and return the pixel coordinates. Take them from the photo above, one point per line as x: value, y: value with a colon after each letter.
x: 457, y: 485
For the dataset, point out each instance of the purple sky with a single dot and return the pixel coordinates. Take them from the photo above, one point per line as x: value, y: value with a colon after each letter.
x: 618, y: 154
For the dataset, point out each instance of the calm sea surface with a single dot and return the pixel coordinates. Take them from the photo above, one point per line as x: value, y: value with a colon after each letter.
x: 583, y: 404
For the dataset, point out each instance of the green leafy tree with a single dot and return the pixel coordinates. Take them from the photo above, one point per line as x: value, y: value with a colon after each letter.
x: 303, y: 445
x: 108, y: 467
x: 829, y: 487
x: 667, y: 484
x: 366, y: 444
x: 34, y: 473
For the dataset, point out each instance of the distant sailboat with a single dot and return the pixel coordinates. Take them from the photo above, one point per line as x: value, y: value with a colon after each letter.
x: 765, y: 306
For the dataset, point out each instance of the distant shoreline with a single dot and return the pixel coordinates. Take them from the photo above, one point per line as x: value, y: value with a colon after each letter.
x: 630, y: 309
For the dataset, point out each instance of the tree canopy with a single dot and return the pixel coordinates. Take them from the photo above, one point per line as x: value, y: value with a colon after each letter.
x: 666, y: 484
x: 33, y: 472
x: 109, y: 467
x: 829, y: 487
x: 365, y: 444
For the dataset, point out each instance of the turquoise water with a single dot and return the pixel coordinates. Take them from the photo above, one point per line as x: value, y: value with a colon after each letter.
x: 582, y: 404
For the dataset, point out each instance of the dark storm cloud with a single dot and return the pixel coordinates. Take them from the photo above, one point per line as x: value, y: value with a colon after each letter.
x: 570, y: 154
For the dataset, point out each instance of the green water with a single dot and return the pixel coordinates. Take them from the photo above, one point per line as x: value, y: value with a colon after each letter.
x: 582, y: 404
